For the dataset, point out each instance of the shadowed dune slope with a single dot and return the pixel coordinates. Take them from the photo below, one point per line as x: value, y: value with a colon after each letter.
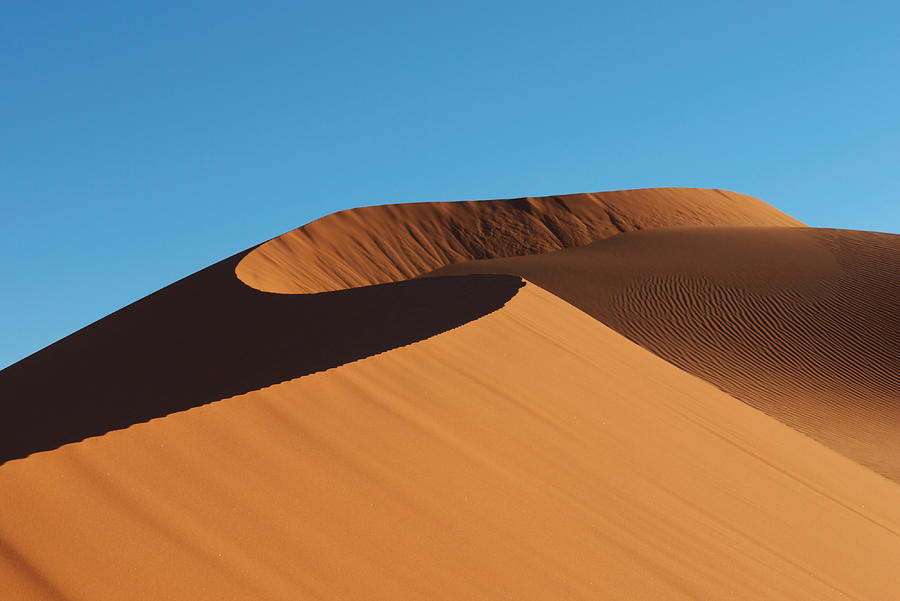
x: 801, y: 323
x: 375, y: 245
x: 530, y: 454
x: 210, y: 336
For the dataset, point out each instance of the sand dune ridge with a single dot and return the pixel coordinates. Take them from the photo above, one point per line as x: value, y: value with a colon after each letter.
x: 803, y: 323
x: 373, y: 245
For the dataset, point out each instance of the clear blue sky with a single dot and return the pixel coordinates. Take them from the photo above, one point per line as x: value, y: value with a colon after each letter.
x: 142, y: 141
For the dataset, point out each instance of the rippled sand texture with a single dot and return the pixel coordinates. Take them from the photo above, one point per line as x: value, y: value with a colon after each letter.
x: 802, y: 323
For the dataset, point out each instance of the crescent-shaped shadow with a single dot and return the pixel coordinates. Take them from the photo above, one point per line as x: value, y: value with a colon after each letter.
x: 209, y: 337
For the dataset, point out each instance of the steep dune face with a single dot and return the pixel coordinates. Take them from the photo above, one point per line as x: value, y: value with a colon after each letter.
x: 801, y: 323
x: 375, y: 245
x: 530, y: 454
x: 209, y: 336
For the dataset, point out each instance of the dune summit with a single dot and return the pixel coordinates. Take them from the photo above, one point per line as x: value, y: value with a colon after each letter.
x: 376, y: 245
x: 648, y: 394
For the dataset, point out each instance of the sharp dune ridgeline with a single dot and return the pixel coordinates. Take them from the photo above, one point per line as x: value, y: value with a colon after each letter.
x: 801, y: 323
x: 647, y: 394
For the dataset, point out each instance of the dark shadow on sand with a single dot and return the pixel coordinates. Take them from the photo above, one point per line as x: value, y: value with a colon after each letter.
x: 208, y: 337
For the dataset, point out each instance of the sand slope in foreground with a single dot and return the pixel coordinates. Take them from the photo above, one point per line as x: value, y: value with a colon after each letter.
x: 531, y: 454
x: 802, y: 323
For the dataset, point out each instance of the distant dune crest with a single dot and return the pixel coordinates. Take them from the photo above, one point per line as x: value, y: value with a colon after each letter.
x: 376, y: 245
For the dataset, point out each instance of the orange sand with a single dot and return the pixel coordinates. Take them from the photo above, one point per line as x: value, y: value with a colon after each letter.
x: 376, y: 245
x: 531, y: 454
x: 801, y: 323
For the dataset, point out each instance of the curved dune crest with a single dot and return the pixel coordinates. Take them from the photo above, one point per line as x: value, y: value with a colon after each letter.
x: 801, y: 323
x: 376, y: 245
x: 209, y: 336
x: 530, y: 454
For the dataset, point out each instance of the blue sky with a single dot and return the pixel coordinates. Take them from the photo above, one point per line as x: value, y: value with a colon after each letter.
x: 142, y: 141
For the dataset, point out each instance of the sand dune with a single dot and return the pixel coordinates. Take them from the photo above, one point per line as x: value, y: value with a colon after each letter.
x: 325, y: 422
x: 376, y: 245
x: 209, y: 336
x: 531, y: 454
x: 801, y: 323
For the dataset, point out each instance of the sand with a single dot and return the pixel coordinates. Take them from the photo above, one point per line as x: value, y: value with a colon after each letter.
x: 530, y: 454
x: 376, y: 245
x: 802, y: 323
x: 691, y: 397
x: 209, y: 336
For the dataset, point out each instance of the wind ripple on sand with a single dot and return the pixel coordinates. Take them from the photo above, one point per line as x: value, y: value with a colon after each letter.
x: 802, y: 323
x: 825, y: 361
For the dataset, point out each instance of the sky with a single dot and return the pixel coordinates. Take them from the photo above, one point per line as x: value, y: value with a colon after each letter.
x: 142, y: 141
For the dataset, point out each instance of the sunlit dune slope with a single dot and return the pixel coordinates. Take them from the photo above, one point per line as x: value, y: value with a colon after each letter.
x: 375, y: 245
x: 530, y: 454
x: 801, y: 323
